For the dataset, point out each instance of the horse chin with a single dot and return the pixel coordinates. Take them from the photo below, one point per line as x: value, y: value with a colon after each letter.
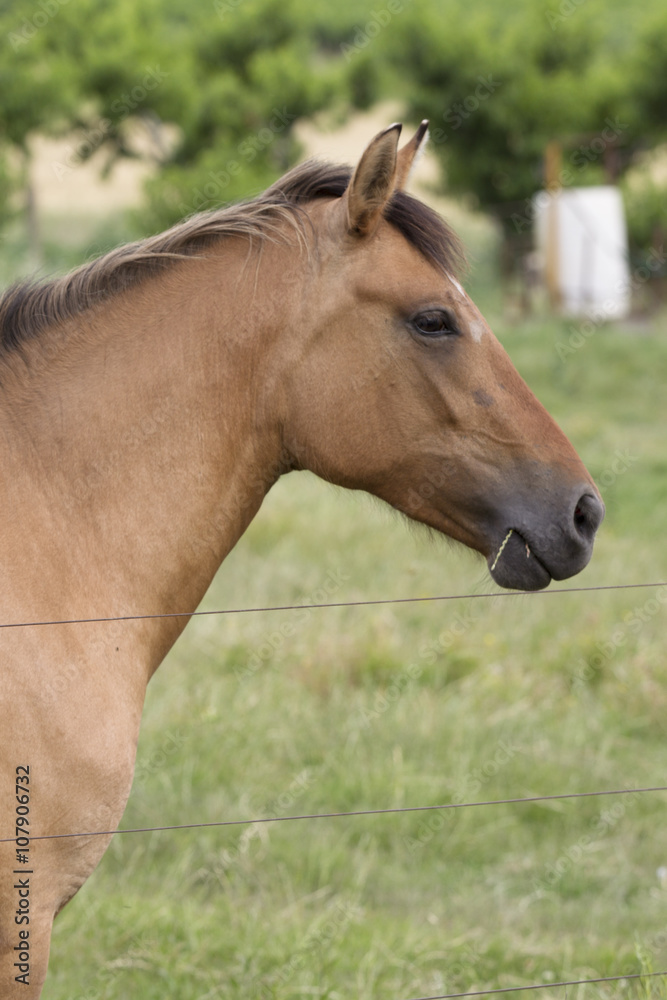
x: 516, y: 567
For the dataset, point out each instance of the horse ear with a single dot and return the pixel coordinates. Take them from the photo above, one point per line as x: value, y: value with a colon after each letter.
x: 409, y: 154
x: 373, y: 182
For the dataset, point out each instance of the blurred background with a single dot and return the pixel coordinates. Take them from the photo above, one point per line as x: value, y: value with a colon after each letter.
x: 548, y: 155
x: 117, y: 119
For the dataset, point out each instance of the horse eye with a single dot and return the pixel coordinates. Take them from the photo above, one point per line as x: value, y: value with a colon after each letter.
x: 434, y: 323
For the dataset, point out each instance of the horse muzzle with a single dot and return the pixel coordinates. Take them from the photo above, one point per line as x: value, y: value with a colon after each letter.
x: 542, y: 545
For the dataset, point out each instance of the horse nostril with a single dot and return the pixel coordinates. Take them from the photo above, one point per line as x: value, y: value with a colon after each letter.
x: 588, y: 515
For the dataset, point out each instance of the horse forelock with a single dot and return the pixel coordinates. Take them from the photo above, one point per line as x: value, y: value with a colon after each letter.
x: 29, y: 307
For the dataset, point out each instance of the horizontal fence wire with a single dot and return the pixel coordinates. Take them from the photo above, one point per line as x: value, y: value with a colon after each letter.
x: 355, y: 812
x: 387, y: 811
x: 338, y: 604
x: 543, y: 986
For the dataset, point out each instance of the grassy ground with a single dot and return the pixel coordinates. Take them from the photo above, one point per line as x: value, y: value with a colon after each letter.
x: 400, y: 705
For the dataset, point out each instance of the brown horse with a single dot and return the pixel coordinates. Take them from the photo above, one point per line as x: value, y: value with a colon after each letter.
x: 148, y: 402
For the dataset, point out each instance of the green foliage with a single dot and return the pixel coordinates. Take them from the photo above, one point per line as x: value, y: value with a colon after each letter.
x: 647, y: 85
x: 222, y: 74
x: 497, y: 89
x: 255, y: 71
x: 258, y: 66
x: 645, y: 201
x: 38, y: 72
x: 497, y: 85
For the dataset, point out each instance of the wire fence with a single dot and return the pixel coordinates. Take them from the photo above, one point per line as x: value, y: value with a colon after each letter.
x: 564, y: 984
x: 355, y: 812
x: 543, y: 986
x: 338, y: 604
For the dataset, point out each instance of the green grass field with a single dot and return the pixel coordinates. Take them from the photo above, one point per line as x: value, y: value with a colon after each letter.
x: 407, y: 705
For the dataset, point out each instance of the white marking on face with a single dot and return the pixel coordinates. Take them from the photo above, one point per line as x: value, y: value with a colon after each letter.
x: 476, y: 328
x: 457, y: 286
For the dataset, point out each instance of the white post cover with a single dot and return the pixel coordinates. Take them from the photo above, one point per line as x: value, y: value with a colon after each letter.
x: 584, y: 231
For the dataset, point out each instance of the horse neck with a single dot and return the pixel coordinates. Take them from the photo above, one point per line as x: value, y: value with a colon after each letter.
x: 142, y: 450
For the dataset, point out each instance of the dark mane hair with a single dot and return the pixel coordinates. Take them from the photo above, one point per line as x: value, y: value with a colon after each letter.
x: 29, y: 307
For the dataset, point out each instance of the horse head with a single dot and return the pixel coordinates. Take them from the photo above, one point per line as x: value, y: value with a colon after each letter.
x: 402, y: 390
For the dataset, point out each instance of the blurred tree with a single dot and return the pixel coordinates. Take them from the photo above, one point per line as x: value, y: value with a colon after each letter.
x: 647, y: 75
x: 645, y: 186
x: 588, y: 77
x: 231, y: 77
x: 498, y: 89
x: 39, y: 91
x: 259, y: 65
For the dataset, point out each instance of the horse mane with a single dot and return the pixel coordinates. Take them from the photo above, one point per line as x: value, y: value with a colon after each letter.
x: 29, y: 307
